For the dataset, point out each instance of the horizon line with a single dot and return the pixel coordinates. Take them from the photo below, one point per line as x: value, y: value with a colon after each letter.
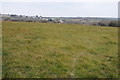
x: 60, y: 16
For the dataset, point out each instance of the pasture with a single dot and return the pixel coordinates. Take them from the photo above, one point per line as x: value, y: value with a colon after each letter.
x: 51, y: 50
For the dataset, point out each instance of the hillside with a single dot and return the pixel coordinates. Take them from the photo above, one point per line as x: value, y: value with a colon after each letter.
x: 51, y: 50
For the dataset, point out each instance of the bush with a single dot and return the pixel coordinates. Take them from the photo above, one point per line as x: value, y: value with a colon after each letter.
x: 101, y: 24
x: 113, y: 24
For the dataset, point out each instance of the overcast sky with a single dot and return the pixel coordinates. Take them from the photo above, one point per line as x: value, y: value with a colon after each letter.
x: 59, y: 0
x: 81, y: 8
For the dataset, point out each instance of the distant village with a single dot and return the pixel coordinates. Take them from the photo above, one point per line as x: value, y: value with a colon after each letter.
x: 13, y: 17
x: 96, y: 21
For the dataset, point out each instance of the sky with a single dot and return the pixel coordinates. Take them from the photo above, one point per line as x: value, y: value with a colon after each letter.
x: 59, y: 0
x: 61, y: 8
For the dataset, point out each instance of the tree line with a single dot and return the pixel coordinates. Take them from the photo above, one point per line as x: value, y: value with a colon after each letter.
x: 111, y: 24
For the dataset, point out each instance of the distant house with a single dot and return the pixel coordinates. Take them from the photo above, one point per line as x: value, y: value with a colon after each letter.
x: 61, y: 21
x: 40, y: 17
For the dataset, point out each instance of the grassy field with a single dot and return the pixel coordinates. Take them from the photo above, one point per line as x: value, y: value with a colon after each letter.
x: 49, y: 50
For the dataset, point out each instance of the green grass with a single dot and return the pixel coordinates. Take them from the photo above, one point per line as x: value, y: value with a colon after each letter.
x: 49, y: 50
